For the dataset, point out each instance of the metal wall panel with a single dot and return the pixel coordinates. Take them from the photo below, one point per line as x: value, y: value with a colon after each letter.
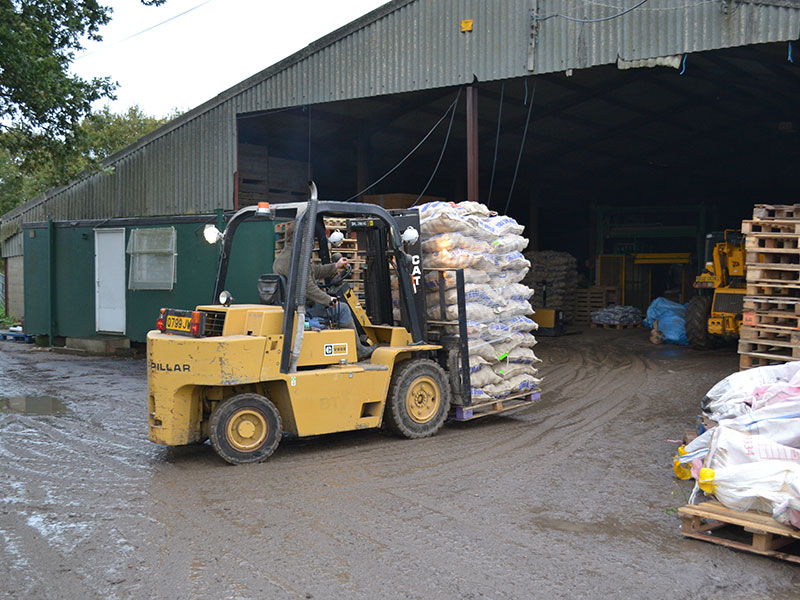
x: 658, y: 28
x: 188, y: 165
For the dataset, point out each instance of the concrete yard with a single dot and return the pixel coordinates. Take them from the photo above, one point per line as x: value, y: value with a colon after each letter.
x: 574, y: 498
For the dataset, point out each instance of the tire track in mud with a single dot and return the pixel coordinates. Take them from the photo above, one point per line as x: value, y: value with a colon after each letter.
x: 496, y: 508
x: 72, y: 475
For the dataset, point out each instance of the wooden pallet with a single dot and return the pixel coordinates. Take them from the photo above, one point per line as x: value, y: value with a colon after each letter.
x: 587, y: 300
x: 772, y: 319
x: 768, y: 258
x: 747, y: 531
x: 766, y: 352
x: 619, y: 326
x: 776, y: 211
x: 773, y: 304
x: 751, y: 361
x: 774, y: 242
x: 770, y: 340
x: 772, y: 226
x: 783, y: 290
x: 494, y: 407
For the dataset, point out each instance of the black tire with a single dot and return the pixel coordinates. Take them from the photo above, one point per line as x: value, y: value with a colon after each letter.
x: 245, y: 428
x: 418, y: 400
x: 697, y: 314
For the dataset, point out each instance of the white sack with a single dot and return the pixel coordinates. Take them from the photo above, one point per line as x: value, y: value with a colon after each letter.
x: 780, y: 422
x: 726, y: 398
x: 768, y: 486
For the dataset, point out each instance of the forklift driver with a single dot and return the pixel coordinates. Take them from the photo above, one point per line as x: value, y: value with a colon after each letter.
x: 321, y: 304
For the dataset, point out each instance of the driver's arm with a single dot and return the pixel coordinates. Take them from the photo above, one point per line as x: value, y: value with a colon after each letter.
x: 323, y: 271
x: 313, y: 291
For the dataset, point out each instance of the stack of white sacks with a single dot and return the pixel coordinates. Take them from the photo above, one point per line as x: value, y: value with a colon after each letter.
x: 751, y: 459
x: 559, y: 270
x: 488, y: 247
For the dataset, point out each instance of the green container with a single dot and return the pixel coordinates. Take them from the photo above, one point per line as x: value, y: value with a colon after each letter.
x: 72, y: 292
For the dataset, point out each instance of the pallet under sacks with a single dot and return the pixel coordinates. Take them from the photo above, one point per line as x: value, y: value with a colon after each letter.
x: 771, y: 310
x: 747, y: 457
x: 477, y: 307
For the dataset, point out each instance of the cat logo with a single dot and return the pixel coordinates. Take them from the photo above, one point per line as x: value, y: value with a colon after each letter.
x: 335, y: 350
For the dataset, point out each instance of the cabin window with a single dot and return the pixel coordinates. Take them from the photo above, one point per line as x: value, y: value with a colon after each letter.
x: 153, y: 255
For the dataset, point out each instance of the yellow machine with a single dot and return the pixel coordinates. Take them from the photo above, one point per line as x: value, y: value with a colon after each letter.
x: 718, y: 314
x: 245, y: 376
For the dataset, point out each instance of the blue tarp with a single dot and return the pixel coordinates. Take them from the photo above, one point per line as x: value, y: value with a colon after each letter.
x: 671, y: 318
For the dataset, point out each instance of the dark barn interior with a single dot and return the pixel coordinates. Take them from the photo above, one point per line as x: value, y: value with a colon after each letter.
x: 597, y: 161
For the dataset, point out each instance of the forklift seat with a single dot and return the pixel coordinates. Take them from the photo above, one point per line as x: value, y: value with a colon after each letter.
x: 272, y: 289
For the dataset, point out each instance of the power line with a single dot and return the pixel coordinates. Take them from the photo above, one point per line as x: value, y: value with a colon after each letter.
x: 130, y: 37
x: 407, y: 156
x: 441, y: 154
x: 521, y: 146
x: 576, y: 20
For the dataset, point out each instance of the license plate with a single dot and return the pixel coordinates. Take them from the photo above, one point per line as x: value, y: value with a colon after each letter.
x: 176, y: 323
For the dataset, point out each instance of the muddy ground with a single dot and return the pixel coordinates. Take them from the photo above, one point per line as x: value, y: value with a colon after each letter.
x: 573, y: 498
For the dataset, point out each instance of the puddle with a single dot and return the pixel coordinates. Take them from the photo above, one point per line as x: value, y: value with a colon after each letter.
x: 33, y: 405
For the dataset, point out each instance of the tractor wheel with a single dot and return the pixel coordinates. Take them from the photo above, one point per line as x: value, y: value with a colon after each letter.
x: 419, y: 399
x: 245, y: 428
x: 697, y: 314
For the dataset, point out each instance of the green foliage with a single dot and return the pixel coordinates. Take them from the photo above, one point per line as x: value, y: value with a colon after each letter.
x: 33, y: 163
x: 38, y: 41
x: 5, y: 320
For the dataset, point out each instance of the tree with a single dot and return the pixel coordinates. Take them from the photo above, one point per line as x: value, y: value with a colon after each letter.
x: 38, y: 41
x: 48, y: 163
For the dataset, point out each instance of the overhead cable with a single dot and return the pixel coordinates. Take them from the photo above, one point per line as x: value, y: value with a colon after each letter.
x: 130, y: 37
x: 598, y: 20
x: 521, y: 148
x: 444, y: 147
x: 496, y: 142
x: 407, y: 156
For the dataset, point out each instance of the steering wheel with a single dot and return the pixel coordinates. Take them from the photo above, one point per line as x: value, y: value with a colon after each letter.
x: 337, y: 279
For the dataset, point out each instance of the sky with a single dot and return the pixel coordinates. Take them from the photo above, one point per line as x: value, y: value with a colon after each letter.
x: 193, y: 57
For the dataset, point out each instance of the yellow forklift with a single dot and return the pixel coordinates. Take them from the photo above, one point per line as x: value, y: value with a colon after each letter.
x: 716, y: 312
x: 245, y: 376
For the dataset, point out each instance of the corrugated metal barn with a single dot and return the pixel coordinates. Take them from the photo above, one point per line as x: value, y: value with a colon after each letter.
x: 563, y: 113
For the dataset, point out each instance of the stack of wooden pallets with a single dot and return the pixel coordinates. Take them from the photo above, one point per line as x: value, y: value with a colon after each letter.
x: 771, y: 313
x: 348, y: 249
x: 591, y: 299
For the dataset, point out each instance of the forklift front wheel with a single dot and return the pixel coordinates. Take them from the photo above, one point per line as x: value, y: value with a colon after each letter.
x: 245, y: 428
x: 419, y: 398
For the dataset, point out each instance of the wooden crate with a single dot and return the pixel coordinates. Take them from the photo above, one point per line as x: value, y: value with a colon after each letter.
x: 590, y: 299
x: 747, y: 531
x: 265, y: 178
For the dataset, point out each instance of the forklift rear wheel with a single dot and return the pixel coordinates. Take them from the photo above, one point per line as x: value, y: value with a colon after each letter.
x: 245, y: 428
x: 419, y: 398
x: 697, y: 314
